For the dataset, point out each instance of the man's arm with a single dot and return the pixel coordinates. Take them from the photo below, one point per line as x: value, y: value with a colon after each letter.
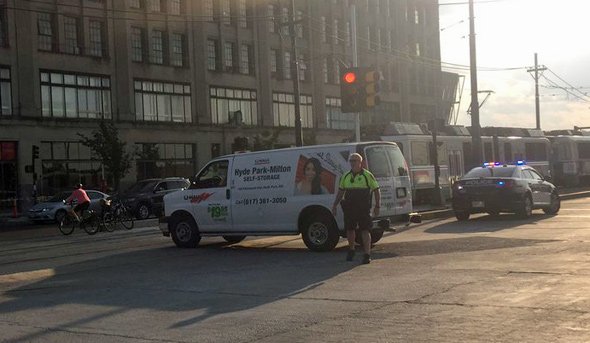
x: 339, y: 196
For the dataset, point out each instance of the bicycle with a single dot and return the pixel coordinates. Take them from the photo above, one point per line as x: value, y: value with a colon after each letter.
x: 89, y: 223
x: 115, y: 212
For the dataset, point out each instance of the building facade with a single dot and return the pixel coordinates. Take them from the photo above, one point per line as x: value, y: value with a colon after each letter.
x: 181, y: 79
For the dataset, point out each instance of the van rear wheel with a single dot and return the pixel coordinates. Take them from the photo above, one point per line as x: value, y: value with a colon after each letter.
x: 319, y: 233
x: 184, y: 232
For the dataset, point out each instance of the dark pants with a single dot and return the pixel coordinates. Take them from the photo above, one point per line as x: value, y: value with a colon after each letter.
x: 357, y: 220
x: 82, y: 207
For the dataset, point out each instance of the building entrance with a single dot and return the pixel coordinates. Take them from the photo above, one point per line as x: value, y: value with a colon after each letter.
x: 8, y: 175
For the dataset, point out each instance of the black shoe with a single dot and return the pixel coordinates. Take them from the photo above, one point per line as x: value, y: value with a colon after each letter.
x: 366, y: 259
x: 350, y: 255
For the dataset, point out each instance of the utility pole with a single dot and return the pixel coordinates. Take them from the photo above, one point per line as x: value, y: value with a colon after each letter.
x: 295, y: 67
x: 536, y: 70
x: 355, y: 63
x: 475, y: 127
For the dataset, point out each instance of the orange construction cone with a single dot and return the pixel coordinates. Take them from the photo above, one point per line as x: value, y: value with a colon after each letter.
x: 14, y: 210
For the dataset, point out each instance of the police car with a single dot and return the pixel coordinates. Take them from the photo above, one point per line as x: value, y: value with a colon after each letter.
x: 496, y: 187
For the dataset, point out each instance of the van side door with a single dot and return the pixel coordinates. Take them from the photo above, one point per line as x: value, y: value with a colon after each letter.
x: 210, y: 197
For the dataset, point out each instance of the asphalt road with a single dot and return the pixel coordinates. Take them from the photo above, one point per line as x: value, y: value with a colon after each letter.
x: 492, y: 279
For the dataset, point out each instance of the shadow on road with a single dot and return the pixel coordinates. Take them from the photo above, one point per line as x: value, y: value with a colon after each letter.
x: 200, y: 284
x: 487, y: 223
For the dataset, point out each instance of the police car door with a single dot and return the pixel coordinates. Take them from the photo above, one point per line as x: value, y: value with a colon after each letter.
x: 542, y: 189
x: 210, y: 197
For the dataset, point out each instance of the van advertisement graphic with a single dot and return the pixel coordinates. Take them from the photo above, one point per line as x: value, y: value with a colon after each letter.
x: 291, y: 174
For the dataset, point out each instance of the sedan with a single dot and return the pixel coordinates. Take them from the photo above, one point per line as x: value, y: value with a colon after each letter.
x: 55, y: 209
x: 496, y: 188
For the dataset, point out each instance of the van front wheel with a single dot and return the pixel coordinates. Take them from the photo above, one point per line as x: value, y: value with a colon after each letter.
x: 319, y: 233
x: 184, y: 232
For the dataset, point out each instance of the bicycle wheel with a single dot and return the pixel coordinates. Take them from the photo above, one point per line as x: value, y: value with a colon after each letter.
x: 90, y: 225
x: 66, y: 225
x: 125, y: 218
x: 108, y: 222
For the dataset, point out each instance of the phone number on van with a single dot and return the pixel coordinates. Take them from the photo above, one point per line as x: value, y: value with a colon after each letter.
x: 261, y: 201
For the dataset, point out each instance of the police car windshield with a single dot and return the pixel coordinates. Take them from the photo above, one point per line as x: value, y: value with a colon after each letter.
x: 490, y: 172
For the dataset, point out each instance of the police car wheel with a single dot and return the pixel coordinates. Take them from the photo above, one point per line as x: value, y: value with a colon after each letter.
x: 462, y: 215
x: 526, y: 210
x: 234, y: 239
x: 184, y: 233
x: 554, y: 205
x: 319, y: 233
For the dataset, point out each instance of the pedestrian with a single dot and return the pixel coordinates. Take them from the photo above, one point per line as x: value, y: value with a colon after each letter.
x: 356, y: 187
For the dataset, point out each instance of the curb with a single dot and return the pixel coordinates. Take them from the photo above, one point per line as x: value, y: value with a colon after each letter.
x: 23, y: 222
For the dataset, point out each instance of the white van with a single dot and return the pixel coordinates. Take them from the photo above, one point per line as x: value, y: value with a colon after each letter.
x: 282, y: 192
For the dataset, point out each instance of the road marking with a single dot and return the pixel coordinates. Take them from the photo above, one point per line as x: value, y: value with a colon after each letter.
x: 575, y: 209
x: 573, y: 216
x: 27, y: 276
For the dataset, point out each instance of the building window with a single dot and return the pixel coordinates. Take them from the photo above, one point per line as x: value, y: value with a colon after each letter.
x: 347, y: 34
x: 135, y: 3
x: 245, y: 52
x: 208, y: 9
x: 157, y: 47
x: 71, y: 36
x: 3, y: 30
x: 96, y: 38
x: 174, y: 7
x: 270, y: 12
x: 323, y: 29
x: 299, y: 25
x: 159, y: 160
x: 5, y: 92
x: 243, y: 10
x: 68, y: 163
x: 302, y: 68
x: 236, y: 106
x: 226, y: 12
x: 285, y: 21
x: 72, y: 95
x: 137, y: 38
x: 176, y: 47
x: 336, y: 119
x: 417, y: 51
x: 154, y: 5
x: 336, y: 70
x: 274, y: 61
x: 287, y: 65
x: 325, y: 70
x: 162, y: 101
x: 335, y: 37
x: 45, y: 31
x: 212, y: 54
x: 228, y: 61
x: 284, y: 110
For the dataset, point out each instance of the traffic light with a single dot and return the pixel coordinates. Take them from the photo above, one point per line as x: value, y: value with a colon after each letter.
x: 372, y: 88
x: 352, y: 90
x: 35, y: 152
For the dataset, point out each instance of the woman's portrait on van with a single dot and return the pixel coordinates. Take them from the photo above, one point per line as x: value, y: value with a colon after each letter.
x: 308, y: 180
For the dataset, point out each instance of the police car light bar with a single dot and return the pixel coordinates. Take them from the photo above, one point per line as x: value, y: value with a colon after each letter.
x: 520, y: 163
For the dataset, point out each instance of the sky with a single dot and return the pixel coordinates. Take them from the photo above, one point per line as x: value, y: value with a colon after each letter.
x: 508, y: 34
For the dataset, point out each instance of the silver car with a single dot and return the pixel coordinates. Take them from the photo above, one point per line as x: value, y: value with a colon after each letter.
x: 55, y: 209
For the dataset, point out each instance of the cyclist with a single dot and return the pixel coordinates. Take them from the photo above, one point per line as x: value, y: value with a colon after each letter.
x: 82, y: 199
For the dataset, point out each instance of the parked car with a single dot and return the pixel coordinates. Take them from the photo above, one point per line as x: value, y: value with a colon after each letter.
x: 55, y: 209
x: 496, y: 188
x: 145, y: 197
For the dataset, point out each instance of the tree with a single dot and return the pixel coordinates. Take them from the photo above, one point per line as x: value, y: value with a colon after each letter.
x: 107, y: 145
x: 266, y: 140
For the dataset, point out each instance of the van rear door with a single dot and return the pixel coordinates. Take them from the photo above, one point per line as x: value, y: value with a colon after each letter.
x: 388, y: 165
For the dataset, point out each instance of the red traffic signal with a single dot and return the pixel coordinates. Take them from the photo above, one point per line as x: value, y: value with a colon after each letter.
x: 349, y: 77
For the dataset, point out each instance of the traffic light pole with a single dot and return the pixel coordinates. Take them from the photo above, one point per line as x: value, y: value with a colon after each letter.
x: 295, y: 67
x: 355, y: 63
x: 475, y: 126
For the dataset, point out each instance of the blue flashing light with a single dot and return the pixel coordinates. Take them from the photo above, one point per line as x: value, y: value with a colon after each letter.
x: 497, y: 163
x: 501, y: 183
x: 520, y: 163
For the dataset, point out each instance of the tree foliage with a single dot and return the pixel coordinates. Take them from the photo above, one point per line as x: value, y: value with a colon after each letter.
x: 266, y: 140
x: 106, y: 144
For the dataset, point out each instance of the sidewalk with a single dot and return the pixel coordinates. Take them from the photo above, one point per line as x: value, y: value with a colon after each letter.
x: 428, y: 212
